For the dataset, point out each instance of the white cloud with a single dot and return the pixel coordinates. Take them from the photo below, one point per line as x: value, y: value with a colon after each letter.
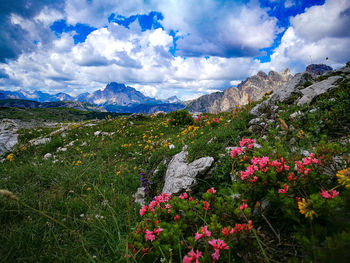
x: 320, y: 32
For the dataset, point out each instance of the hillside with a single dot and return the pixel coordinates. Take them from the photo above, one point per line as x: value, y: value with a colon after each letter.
x: 265, y: 182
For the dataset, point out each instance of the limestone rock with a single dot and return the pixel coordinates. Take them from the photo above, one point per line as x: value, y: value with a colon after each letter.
x: 40, y: 141
x: 139, y: 196
x: 8, y: 135
x: 181, y: 175
x: 47, y: 156
x: 311, y: 92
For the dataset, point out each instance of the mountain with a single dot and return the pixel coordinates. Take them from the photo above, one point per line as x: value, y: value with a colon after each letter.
x: 253, y: 88
x: 34, y: 96
x: 29, y: 104
x: 172, y: 99
x: 118, y: 94
x: 116, y: 97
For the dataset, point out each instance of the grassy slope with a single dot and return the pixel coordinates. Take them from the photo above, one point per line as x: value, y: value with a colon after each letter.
x: 52, y: 114
x: 59, y: 213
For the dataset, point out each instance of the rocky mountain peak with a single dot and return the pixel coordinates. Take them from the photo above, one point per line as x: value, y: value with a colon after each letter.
x: 318, y: 69
x: 262, y: 74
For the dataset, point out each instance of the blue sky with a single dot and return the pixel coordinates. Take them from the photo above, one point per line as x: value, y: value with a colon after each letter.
x: 165, y: 47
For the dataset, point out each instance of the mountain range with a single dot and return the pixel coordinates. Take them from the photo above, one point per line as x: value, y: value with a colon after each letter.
x: 115, y: 97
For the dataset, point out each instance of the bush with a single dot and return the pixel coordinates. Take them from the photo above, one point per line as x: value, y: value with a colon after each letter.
x: 180, y: 117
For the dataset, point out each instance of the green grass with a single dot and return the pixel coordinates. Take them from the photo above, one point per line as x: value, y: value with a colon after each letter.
x: 84, y: 213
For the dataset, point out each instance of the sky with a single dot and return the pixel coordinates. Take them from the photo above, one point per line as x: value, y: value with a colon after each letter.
x: 163, y: 48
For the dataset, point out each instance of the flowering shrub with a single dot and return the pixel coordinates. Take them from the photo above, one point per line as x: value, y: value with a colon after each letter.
x: 192, y: 230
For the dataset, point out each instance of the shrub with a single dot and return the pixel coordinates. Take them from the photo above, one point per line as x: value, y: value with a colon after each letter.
x: 180, y: 117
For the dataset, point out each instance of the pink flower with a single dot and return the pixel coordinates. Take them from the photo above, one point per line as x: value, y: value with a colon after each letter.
x: 325, y: 194
x: 216, y: 120
x: 226, y: 231
x: 331, y: 194
x: 176, y: 218
x: 205, y: 233
x: 255, y: 178
x: 236, y: 151
x: 218, y: 245
x: 206, y: 205
x: 284, y: 190
x: 212, y: 190
x: 149, y: 235
x: 197, y: 236
x: 243, y: 206
x: 143, y: 210
x: 192, y: 256
x: 250, y: 143
x: 291, y: 177
x: 157, y: 231
x: 183, y: 196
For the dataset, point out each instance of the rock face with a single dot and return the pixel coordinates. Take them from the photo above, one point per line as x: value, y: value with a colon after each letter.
x: 318, y: 69
x: 181, y: 175
x: 296, y: 90
x: 253, y: 88
x: 8, y: 135
x: 309, y: 93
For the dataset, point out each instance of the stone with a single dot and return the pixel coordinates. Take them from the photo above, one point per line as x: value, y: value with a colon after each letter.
x: 97, y: 133
x: 316, y: 89
x: 47, y: 156
x: 296, y: 115
x: 8, y: 135
x: 139, y: 196
x: 284, y: 93
x: 40, y: 141
x: 180, y: 175
x: 171, y: 146
x: 61, y: 149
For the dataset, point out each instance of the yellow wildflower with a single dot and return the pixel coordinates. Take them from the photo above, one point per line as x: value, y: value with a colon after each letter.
x: 117, y: 173
x: 10, y: 157
x: 89, y: 189
x: 8, y: 194
x: 344, y: 177
x: 300, y: 133
x: 305, y: 208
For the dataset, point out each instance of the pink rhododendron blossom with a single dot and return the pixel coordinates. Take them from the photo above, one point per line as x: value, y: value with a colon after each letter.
x: 205, y: 233
x: 216, y: 120
x: 291, y: 177
x: 158, y: 230
x: 243, y: 206
x: 250, y: 143
x: 150, y: 236
x: 218, y: 245
x: 284, y: 190
x: 255, y: 178
x: 183, y: 196
x: 226, y: 231
x: 143, y: 210
x: 236, y: 151
x: 206, y: 205
x: 192, y: 257
x: 176, y: 218
x: 211, y: 190
x: 331, y: 194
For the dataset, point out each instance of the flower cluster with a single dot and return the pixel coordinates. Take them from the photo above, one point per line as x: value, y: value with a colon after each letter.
x: 344, y: 177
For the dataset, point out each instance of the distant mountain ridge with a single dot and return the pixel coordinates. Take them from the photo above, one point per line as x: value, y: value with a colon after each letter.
x: 29, y: 104
x: 253, y: 88
x: 115, y: 97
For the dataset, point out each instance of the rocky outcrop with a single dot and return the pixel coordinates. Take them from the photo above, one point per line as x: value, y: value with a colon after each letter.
x: 181, y: 175
x: 309, y: 93
x: 318, y: 69
x: 8, y: 135
x: 253, y: 88
x: 302, y: 89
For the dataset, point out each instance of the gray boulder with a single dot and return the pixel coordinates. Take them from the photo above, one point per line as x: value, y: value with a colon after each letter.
x: 311, y: 92
x: 181, y: 175
x: 139, y: 196
x: 284, y: 93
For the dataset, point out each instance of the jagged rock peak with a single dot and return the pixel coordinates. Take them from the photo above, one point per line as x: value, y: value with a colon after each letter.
x: 114, y: 86
x: 318, y: 69
x: 262, y: 74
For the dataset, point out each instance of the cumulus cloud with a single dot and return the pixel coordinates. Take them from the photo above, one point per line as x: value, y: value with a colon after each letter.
x: 320, y: 32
